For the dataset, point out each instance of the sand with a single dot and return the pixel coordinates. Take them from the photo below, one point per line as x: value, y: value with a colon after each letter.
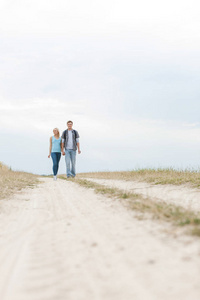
x: 175, y: 194
x: 61, y: 241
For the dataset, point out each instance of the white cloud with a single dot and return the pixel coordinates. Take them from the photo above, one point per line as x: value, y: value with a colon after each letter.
x: 168, y: 21
x: 37, y: 114
x: 120, y: 69
x: 41, y: 114
x: 107, y: 142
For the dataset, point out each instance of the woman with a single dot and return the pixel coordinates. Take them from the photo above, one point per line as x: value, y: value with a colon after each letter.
x: 55, y: 151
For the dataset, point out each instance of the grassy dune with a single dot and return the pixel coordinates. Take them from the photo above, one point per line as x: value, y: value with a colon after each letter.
x: 176, y: 215
x: 155, y: 176
x: 11, y: 181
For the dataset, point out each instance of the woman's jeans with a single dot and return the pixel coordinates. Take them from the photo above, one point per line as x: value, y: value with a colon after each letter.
x: 56, y: 158
x: 70, y: 157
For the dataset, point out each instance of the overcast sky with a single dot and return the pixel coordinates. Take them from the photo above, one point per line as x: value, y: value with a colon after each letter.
x: 126, y: 72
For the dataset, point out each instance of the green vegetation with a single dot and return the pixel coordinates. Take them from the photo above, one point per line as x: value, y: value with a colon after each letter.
x: 156, y: 176
x: 176, y: 215
x: 12, y: 181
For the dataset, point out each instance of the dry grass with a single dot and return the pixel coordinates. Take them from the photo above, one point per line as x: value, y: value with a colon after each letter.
x: 176, y: 215
x: 155, y: 176
x: 11, y: 181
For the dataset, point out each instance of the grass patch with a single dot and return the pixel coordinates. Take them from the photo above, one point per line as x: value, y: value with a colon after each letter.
x: 11, y: 181
x: 155, y: 176
x: 196, y: 231
x: 176, y: 215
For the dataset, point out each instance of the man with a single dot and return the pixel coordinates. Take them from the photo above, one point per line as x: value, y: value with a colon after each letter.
x: 70, y: 142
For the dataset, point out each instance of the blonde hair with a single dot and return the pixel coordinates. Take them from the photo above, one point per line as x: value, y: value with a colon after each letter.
x: 57, y: 130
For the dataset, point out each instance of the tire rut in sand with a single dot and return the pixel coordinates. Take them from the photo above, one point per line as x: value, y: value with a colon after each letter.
x: 70, y: 243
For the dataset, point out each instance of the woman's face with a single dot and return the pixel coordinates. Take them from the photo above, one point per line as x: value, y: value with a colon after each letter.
x: 55, y: 131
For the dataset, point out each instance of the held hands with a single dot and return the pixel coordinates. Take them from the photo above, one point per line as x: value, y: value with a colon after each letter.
x: 63, y: 152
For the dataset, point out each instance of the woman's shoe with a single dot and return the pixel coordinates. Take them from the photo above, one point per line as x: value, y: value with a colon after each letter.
x: 54, y: 178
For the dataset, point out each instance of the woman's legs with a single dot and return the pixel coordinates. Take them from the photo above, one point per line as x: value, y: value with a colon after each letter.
x: 55, y: 164
x: 58, y: 160
x: 55, y: 158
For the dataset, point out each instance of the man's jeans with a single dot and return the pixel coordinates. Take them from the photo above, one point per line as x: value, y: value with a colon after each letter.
x: 70, y: 158
x: 56, y: 158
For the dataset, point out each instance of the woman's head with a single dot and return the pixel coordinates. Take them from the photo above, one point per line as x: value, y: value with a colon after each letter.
x: 56, y: 131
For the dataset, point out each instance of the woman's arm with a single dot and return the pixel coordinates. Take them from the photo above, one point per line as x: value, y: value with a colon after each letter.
x: 50, y: 147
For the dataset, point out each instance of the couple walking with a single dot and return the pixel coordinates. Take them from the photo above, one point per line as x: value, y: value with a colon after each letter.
x: 67, y: 144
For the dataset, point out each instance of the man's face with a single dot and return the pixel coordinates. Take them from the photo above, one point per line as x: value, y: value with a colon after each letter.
x: 69, y: 125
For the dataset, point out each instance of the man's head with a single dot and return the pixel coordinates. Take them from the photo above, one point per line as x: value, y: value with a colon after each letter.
x: 69, y: 125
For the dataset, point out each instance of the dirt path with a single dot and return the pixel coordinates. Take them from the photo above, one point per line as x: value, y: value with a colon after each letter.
x: 60, y: 241
x: 179, y: 195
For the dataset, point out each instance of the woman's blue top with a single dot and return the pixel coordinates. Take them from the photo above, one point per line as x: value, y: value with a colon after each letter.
x: 56, y: 144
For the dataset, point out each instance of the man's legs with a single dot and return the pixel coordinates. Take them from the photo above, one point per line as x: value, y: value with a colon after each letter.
x: 67, y: 160
x: 70, y: 159
x: 73, y: 161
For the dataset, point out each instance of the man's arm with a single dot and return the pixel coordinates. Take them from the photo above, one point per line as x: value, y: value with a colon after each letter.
x: 62, y: 148
x: 77, y: 142
x: 78, y: 146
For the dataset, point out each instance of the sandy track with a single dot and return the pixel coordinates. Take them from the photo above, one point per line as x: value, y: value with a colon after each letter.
x: 60, y: 241
x: 179, y: 195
